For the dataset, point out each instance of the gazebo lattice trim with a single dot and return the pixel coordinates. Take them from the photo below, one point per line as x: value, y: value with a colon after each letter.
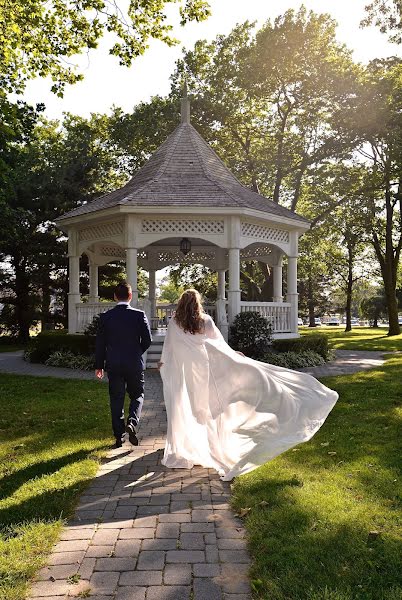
x: 182, y: 226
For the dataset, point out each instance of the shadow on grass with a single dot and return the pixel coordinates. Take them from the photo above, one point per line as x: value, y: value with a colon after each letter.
x: 10, y: 483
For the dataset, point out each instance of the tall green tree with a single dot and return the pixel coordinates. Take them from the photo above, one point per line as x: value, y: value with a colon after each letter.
x: 50, y: 170
x: 387, y: 15
x: 38, y: 36
x: 378, y: 122
x: 270, y: 100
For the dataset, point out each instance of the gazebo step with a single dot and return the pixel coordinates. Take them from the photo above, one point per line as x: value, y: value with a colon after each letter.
x: 154, y: 353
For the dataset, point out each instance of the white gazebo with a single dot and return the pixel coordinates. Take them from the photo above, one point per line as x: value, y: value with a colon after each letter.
x: 185, y: 199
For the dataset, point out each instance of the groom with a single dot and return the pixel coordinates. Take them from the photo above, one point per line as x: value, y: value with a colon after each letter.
x: 123, y: 336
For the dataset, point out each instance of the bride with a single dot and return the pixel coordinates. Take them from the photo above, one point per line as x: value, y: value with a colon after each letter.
x: 226, y: 411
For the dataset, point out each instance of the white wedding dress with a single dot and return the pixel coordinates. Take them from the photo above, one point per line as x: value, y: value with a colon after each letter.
x: 229, y: 412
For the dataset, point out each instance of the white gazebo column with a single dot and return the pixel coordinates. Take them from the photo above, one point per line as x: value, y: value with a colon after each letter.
x: 234, y: 293
x: 221, y: 284
x: 277, y: 280
x: 93, y: 282
x: 292, y: 295
x: 73, y: 281
x: 131, y: 270
x: 152, y: 291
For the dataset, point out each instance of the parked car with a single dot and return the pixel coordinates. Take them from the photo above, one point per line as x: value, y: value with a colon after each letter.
x: 300, y: 322
x: 333, y: 321
x: 354, y: 322
x: 317, y: 322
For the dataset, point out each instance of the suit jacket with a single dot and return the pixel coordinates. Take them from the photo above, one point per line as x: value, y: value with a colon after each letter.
x: 123, y: 336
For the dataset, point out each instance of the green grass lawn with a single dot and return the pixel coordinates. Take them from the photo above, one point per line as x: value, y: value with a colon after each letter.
x: 360, y: 338
x: 325, y: 518
x: 52, y: 434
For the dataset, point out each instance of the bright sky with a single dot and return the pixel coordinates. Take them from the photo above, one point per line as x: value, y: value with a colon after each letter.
x: 106, y: 83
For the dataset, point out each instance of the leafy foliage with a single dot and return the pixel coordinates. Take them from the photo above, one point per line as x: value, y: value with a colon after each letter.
x: 251, y: 334
x: 92, y: 328
x: 295, y: 360
x: 316, y: 342
x: 65, y: 358
x: 45, y: 344
x: 387, y: 15
x: 38, y: 36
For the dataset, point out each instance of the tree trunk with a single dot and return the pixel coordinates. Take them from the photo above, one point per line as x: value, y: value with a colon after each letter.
x: 392, y: 306
x: 310, y: 303
x: 45, y: 304
x: 22, y: 300
x: 267, y: 288
x: 279, y: 156
x: 388, y: 272
x: 349, y: 289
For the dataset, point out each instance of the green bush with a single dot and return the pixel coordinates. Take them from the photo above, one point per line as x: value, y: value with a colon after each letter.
x: 65, y: 358
x: 295, y: 360
x: 251, y: 334
x: 46, y: 343
x: 317, y: 343
x: 92, y: 328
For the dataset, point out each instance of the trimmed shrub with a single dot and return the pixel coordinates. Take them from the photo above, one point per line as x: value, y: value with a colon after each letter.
x: 46, y: 343
x: 251, y: 334
x: 92, y: 328
x: 294, y: 360
x: 317, y: 343
x: 65, y: 358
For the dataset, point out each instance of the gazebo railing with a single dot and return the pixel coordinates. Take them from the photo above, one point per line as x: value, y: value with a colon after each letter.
x: 164, y: 313
x: 277, y: 313
x: 86, y: 311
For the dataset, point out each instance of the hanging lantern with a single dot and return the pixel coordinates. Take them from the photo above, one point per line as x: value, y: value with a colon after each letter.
x: 185, y: 246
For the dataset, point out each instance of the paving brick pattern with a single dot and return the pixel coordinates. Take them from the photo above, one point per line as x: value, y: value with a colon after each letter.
x: 144, y: 532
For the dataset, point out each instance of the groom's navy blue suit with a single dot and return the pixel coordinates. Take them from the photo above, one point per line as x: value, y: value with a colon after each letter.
x: 123, y: 336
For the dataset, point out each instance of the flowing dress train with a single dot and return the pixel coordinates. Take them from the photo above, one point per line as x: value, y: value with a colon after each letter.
x: 229, y: 412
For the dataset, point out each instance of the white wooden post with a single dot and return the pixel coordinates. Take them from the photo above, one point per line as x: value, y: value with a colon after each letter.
x: 292, y: 295
x: 131, y: 269
x: 277, y: 276
x: 73, y: 280
x: 152, y: 291
x: 93, y: 282
x: 221, y: 284
x: 234, y: 293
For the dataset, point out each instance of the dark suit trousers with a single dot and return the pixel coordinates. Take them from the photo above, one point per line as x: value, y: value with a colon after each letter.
x: 120, y: 382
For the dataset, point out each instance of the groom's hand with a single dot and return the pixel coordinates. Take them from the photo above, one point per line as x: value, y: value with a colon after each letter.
x: 99, y: 373
x: 160, y: 364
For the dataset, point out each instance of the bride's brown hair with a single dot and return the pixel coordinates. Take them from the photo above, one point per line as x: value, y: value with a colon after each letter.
x: 189, y: 312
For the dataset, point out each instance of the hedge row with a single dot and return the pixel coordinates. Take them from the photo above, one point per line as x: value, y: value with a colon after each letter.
x: 46, y: 343
x: 317, y: 343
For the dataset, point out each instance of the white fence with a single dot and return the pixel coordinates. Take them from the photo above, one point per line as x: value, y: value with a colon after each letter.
x: 277, y: 313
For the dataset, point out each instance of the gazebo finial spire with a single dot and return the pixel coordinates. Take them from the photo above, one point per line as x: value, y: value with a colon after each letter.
x: 185, y: 105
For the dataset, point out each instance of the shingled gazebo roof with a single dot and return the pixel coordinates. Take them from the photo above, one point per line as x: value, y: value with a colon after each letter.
x: 184, y: 171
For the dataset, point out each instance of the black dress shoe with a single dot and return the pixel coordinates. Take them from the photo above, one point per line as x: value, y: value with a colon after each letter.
x: 132, y: 434
x: 118, y: 443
